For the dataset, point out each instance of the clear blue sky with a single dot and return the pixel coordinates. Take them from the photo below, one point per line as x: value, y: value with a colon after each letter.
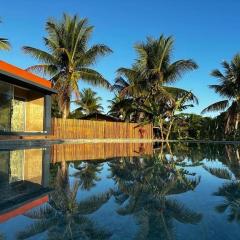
x: 207, y: 31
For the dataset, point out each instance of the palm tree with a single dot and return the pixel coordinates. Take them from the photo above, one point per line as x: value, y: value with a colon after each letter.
x: 229, y: 88
x: 89, y: 102
x: 69, y: 58
x: 145, y: 84
x: 65, y: 217
x: 154, y: 64
x: 120, y: 107
x: 4, y: 43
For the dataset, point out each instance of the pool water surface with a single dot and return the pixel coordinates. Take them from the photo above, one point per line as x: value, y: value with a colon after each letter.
x: 121, y: 191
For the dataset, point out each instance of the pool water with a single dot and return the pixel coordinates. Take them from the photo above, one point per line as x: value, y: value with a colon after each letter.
x: 114, y: 191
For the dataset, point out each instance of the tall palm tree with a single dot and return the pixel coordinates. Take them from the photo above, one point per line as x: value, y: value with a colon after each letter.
x: 4, y: 43
x: 88, y: 102
x: 146, y: 83
x: 228, y: 88
x: 69, y: 57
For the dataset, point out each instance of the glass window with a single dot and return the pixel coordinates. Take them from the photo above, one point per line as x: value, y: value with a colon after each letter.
x: 6, y: 95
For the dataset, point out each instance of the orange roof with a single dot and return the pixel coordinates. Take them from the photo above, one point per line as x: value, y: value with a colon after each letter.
x: 24, y: 208
x: 18, y: 72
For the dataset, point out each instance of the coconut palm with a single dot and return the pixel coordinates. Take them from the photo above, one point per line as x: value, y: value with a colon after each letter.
x: 121, y: 107
x: 155, y: 65
x: 4, y: 43
x: 69, y: 58
x: 64, y: 217
x: 145, y: 84
x: 89, y: 102
x: 228, y: 88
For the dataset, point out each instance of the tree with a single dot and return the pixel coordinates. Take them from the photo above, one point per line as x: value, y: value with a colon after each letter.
x: 145, y: 85
x: 229, y: 88
x: 69, y: 58
x: 4, y: 43
x: 88, y: 103
x: 154, y: 64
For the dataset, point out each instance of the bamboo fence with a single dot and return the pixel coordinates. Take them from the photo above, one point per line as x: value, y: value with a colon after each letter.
x: 88, y: 129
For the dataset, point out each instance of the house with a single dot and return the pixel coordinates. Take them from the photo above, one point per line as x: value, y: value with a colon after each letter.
x: 25, y: 102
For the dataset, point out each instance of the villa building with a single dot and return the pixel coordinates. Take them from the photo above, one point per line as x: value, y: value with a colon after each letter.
x: 25, y: 102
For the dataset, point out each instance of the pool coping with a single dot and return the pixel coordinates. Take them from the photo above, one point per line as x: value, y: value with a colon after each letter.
x: 27, y: 143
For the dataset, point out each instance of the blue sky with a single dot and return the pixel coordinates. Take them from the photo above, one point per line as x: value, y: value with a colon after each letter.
x: 206, y: 31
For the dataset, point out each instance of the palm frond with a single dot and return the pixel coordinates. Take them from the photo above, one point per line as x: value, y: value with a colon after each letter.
x: 219, y: 172
x: 93, y: 77
x: 218, y: 106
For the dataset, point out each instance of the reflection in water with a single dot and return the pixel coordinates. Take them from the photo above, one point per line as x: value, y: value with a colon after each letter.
x: 64, y: 217
x: 150, y: 194
x: 143, y: 190
x: 229, y: 171
x: 97, y: 151
x: 23, y: 180
x: 88, y: 173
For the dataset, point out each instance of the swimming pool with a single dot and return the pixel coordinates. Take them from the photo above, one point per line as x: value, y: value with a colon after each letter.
x: 120, y: 191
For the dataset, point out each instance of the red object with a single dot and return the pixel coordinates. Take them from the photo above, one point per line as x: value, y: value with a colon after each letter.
x: 18, y: 72
x: 20, y: 210
x: 141, y: 131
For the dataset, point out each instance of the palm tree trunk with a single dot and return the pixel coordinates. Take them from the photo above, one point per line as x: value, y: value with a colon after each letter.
x: 237, y: 121
x: 66, y: 110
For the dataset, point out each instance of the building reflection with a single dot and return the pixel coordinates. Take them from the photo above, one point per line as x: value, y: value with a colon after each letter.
x: 24, y: 177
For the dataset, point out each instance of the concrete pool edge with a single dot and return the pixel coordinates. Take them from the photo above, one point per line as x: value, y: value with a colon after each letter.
x: 6, y: 144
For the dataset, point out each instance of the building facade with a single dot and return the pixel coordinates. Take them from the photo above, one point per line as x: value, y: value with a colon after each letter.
x: 25, y: 102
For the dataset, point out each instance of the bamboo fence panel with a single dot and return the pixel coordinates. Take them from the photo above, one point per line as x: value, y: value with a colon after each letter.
x: 87, y: 129
x: 98, y: 151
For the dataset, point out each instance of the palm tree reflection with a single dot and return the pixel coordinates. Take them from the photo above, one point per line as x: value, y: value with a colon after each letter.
x: 64, y: 217
x: 88, y: 173
x: 231, y: 205
x: 144, y: 191
x: 229, y: 156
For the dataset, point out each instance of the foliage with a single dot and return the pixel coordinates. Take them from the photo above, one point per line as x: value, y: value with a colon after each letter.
x: 142, y: 92
x: 4, y: 43
x: 228, y: 88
